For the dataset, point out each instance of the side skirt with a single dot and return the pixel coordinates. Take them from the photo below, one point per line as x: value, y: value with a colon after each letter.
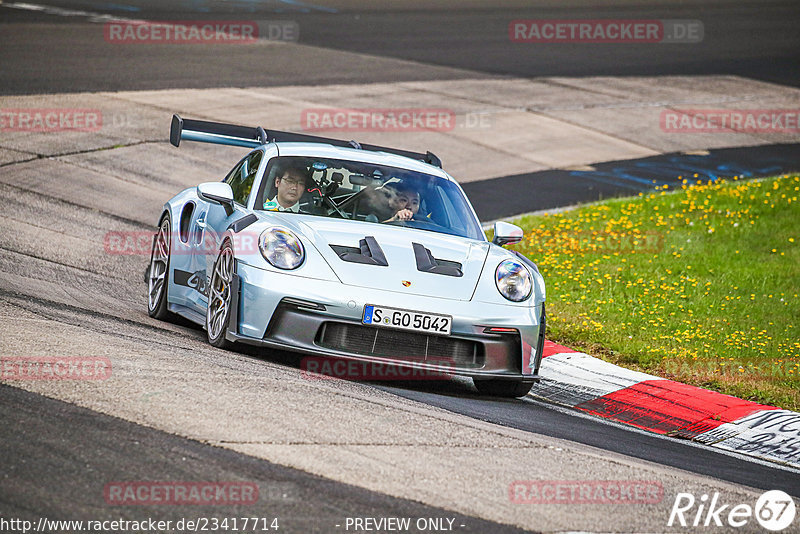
x: 188, y: 313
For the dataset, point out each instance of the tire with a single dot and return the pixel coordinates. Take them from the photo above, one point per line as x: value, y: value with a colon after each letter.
x: 218, y: 312
x: 503, y: 388
x: 157, y: 274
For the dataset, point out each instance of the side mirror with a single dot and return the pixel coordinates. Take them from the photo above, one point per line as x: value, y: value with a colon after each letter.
x: 218, y: 192
x: 506, y: 233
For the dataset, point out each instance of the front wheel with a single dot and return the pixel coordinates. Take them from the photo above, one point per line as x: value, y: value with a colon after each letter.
x: 218, y: 314
x: 503, y: 388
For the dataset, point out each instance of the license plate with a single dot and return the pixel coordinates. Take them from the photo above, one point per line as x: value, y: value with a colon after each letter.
x: 430, y: 323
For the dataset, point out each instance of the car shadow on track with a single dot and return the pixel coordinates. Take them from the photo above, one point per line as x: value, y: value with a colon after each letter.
x: 456, y: 386
x: 453, y: 386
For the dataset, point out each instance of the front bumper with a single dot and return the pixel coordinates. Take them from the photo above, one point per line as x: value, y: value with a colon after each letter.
x: 323, y: 318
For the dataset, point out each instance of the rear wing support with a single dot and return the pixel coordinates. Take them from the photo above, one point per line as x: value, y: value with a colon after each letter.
x: 249, y: 137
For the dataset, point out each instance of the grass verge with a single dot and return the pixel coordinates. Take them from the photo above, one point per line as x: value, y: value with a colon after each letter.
x: 699, y: 284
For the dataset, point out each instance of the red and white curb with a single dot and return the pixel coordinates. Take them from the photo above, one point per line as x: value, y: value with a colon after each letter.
x: 667, y: 407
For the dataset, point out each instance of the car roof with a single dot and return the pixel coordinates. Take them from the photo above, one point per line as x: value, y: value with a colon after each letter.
x: 324, y: 150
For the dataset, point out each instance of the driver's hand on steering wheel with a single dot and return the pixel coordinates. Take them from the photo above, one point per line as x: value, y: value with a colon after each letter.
x: 402, y: 215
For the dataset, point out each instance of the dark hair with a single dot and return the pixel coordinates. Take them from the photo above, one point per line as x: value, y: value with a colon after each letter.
x: 404, y: 187
x: 298, y: 171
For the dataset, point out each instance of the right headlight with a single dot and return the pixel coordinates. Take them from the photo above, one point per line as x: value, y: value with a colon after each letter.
x: 281, y: 248
x: 513, y: 280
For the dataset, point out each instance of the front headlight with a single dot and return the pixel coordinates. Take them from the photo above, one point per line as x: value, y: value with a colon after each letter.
x: 513, y: 280
x: 281, y: 248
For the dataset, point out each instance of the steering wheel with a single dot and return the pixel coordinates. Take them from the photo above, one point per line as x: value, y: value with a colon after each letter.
x: 415, y: 223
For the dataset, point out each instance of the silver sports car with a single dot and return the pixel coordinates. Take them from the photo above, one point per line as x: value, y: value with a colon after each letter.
x: 347, y: 251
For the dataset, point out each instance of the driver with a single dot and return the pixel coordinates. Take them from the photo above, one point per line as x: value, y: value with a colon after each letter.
x: 405, y: 203
x: 290, y: 185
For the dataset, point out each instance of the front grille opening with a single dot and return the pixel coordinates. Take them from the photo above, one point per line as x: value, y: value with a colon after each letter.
x: 400, y: 345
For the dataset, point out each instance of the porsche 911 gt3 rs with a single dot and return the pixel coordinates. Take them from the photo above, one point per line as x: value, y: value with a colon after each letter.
x: 336, y: 249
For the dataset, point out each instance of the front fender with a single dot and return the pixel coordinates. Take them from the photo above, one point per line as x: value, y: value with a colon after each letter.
x: 487, y: 289
x: 246, y: 250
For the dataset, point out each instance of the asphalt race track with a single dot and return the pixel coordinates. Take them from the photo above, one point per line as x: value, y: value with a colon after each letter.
x: 505, y: 196
x: 38, y: 446
x: 321, y: 452
x: 455, y: 40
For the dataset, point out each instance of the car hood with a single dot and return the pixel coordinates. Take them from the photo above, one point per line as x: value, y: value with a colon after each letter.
x: 397, y: 245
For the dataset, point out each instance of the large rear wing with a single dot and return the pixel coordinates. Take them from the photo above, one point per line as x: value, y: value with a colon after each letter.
x: 249, y: 137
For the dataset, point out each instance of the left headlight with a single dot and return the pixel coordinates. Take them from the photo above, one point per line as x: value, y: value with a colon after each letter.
x: 281, y: 248
x: 513, y: 280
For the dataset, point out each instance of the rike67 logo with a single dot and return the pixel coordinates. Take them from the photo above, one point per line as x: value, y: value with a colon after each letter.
x: 774, y: 511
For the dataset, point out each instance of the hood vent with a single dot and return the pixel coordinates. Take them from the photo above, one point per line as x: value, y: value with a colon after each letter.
x: 368, y: 252
x: 428, y: 264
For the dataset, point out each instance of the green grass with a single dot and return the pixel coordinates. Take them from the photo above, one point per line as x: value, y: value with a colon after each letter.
x: 699, y: 285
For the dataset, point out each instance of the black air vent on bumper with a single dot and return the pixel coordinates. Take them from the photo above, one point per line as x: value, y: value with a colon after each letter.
x: 400, y: 345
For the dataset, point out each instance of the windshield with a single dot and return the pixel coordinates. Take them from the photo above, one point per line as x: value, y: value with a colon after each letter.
x: 366, y: 192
